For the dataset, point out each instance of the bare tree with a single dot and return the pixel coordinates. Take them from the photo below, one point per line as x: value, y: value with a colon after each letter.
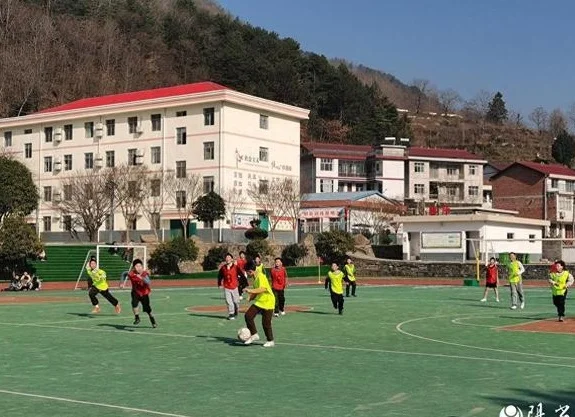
x: 183, y: 192
x: 422, y: 87
x: 571, y: 115
x: 557, y: 122
x: 266, y: 195
x: 87, y: 198
x: 153, y: 200
x: 478, y: 106
x: 235, y: 202
x: 376, y: 214
x: 448, y: 99
x: 290, y: 202
x: 129, y: 186
x: 539, y: 118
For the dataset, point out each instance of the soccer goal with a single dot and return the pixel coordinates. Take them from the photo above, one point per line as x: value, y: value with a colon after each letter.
x: 115, y: 260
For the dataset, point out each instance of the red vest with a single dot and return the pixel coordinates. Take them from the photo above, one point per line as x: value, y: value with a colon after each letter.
x: 230, y: 276
x: 492, y: 274
x: 279, y: 278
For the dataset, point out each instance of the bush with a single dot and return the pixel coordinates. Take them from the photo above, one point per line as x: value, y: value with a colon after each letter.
x: 256, y: 234
x: 333, y: 246
x: 167, y: 256
x: 214, y: 258
x: 293, y: 253
x: 258, y: 247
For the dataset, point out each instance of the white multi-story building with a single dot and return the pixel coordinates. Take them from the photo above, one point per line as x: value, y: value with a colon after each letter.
x: 233, y: 140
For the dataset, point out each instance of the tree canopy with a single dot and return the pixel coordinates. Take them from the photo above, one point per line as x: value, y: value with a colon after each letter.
x: 497, y: 112
x: 18, y: 194
x: 563, y: 148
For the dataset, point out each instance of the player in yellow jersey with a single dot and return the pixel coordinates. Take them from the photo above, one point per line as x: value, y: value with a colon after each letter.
x: 560, y: 281
x: 264, y: 302
x: 98, y: 284
x: 335, y: 280
x: 349, y: 270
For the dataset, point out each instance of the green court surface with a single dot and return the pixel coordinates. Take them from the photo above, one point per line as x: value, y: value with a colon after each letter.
x: 396, y: 351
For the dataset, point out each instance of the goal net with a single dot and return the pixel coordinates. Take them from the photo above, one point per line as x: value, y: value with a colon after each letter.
x: 116, y: 260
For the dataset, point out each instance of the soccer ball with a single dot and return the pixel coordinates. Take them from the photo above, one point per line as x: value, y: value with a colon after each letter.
x: 244, y: 334
x: 511, y: 411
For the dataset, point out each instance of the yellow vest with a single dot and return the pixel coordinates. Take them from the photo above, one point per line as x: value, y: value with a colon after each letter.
x: 265, y: 300
x: 98, y: 277
x: 513, y: 269
x: 560, y: 285
x: 350, y: 271
x: 336, y: 281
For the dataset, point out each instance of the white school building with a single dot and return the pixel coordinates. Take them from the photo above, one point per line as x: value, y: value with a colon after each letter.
x: 231, y: 139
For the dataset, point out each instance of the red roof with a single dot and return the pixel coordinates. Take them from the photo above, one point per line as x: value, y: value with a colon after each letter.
x: 178, y: 90
x: 336, y: 150
x: 442, y: 153
x: 549, y: 169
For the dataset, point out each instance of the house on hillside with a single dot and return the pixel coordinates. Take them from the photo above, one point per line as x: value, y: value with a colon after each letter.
x: 538, y: 191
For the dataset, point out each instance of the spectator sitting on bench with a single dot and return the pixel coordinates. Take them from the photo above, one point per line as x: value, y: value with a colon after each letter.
x: 25, y: 282
x: 42, y: 256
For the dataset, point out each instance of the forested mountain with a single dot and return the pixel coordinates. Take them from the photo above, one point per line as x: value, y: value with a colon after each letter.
x: 54, y: 51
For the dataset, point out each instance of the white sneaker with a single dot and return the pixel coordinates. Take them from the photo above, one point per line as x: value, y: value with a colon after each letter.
x: 283, y: 313
x: 276, y: 315
x: 483, y: 300
x: 269, y: 344
x: 253, y: 338
x: 241, y: 297
x: 513, y: 307
x: 497, y: 300
x: 522, y: 305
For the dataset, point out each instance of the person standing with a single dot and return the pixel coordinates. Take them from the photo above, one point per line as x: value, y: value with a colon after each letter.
x: 264, y: 302
x: 349, y: 270
x: 243, y: 282
x: 141, y: 289
x: 229, y: 275
x: 560, y: 281
x: 335, y: 281
x: 491, y: 279
x: 279, y: 283
x: 98, y: 284
x: 515, y: 271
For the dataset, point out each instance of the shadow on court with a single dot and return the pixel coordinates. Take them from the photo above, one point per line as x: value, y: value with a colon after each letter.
x: 230, y: 341
x: 550, y: 401
x: 123, y: 327
x: 209, y: 316
x: 315, y: 312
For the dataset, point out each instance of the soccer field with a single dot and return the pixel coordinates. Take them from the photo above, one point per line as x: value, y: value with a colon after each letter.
x: 396, y: 351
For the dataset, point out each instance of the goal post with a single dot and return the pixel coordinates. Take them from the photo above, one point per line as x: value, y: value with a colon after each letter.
x: 114, y: 259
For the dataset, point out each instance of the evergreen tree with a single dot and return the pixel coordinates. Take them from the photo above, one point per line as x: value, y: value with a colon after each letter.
x: 210, y: 208
x: 563, y: 148
x: 497, y: 112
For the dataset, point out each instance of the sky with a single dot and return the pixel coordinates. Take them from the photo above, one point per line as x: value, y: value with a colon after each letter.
x: 523, y: 48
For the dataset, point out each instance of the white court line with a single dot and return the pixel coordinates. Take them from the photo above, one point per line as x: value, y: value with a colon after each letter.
x: 96, y: 316
x: 428, y: 339
x: 69, y: 400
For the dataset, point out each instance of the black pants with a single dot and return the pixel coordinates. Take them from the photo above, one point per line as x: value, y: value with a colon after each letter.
x: 280, y: 300
x: 351, y: 284
x: 337, y: 301
x: 242, y: 284
x: 559, y: 302
x: 144, y: 299
x: 93, y: 292
x: 252, y: 312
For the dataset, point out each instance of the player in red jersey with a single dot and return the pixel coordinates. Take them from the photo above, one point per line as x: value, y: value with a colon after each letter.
x: 243, y: 279
x: 279, y: 283
x: 229, y: 276
x: 491, y: 280
x: 140, y: 279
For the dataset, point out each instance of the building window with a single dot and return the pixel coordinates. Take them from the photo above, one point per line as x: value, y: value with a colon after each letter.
x: 67, y: 162
x: 326, y: 186
x: 132, y: 157
x: 554, y: 183
x: 68, y: 132
x: 7, y: 139
x: 565, y: 203
x: 156, y: 122
x: 473, y: 191
x: 67, y: 222
x: 264, y: 121
x: 27, y: 131
x: 359, y: 187
x: 156, y: 187
x: 264, y: 154
x: 209, y: 119
x: 27, y: 150
x: 419, y: 167
x: 209, y: 151
x: 569, y: 186
x: 182, y: 113
x: 47, y: 164
x: 67, y: 192
x: 132, y: 224
x: 452, y: 171
x: 264, y: 186
x: 47, y: 194
x: 156, y: 154
x: 181, y: 135
x: 209, y: 184
x: 209, y: 225
x: 326, y: 164
x: 132, y: 124
x: 47, y: 220
x: 110, y: 159
x: 180, y: 199
x: 472, y: 169
x: 510, y: 235
x: 419, y: 188
x: 180, y: 169
x: 88, y: 160
x: 89, y: 129
x: 451, y: 191
x: 48, y: 134
x: 155, y: 220
x: 531, y: 238
x: 110, y: 127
